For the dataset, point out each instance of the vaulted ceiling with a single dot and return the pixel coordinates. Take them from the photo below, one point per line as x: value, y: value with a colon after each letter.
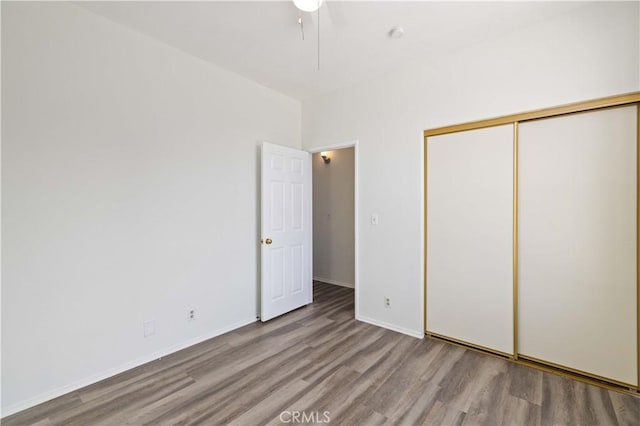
x: 262, y: 40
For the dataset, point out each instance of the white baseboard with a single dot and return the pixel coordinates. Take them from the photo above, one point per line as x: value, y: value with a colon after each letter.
x: 334, y: 282
x: 46, y: 396
x: 391, y: 327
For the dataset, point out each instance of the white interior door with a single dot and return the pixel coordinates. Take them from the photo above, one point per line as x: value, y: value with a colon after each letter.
x: 286, y: 230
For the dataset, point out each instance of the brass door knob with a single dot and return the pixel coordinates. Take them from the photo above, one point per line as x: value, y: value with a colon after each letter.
x: 268, y: 241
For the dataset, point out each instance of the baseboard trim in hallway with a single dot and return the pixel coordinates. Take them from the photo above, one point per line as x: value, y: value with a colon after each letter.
x: 334, y: 282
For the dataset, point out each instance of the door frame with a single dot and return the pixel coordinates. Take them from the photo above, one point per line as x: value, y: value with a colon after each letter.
x: 356, y: 243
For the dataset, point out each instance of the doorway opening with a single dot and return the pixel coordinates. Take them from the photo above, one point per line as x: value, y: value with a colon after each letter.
x: 335, y: 222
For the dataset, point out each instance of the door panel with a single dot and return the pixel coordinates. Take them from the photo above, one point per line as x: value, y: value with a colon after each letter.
x: 577, y: 242
x: 470, y: 237
x: 286, y: 230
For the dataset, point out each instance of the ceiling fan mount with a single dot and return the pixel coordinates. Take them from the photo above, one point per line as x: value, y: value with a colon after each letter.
x: 308, y: 5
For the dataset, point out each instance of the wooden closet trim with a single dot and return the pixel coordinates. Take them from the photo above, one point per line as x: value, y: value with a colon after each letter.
x: 619, y: 100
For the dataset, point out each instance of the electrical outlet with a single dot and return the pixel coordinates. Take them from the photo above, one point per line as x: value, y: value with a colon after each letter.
x: 191, y: 315
x: 387, y: 303
x: 149, y: 327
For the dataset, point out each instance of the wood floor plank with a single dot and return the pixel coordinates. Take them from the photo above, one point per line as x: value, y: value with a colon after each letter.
x: 219, y: 397
x: 360, y: 414
x: 525, y: 383
x: 318, y: 359
x: 415, y: 411
x: 522, y: 412
x: 469, y: 378
x: 404, y: 385
x: 321, y: 396
x: 149, y: 372
x: 268, y: 410
x: 135, y: 397
x: 513, y: 410
x: 247, y: 389
x: 567, y: 401
x: 43, y: 422
x: 40, y: 413
x: 441, y: 414
x: 442, y: 363
x: 334, y: 355
x: 627, y: 409
x: 598, y: 403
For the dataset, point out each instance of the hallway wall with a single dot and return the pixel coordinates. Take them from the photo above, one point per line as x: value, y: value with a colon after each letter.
x: 333, y: 218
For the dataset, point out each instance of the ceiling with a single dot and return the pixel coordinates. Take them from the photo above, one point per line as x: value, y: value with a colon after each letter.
x: 263, y: 42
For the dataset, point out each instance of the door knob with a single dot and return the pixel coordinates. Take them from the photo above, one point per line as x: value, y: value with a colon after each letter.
x: 268, y: 241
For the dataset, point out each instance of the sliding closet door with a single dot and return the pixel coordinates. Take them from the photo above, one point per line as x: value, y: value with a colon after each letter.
x: 577, y: 242
x: 470, y: 237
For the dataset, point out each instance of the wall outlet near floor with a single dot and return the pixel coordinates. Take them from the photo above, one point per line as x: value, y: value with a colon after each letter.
x: 191, y: 315
x: 387, y: 303
x: 149, y: 327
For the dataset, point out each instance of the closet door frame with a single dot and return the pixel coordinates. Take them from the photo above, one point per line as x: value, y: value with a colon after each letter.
x: 515, y: 119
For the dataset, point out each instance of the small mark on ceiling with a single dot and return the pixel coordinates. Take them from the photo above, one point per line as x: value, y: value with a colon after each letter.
x: 396, y: 32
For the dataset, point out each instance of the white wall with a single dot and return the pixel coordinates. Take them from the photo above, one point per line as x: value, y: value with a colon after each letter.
x: 333, y: 218
x: 130, y: 192
x: 591, y: 52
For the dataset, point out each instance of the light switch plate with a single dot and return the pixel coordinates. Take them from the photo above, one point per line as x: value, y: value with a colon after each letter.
x: 374, y: 219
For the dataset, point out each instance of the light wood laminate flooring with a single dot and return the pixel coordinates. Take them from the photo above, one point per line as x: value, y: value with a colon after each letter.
x: 317, y: 359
